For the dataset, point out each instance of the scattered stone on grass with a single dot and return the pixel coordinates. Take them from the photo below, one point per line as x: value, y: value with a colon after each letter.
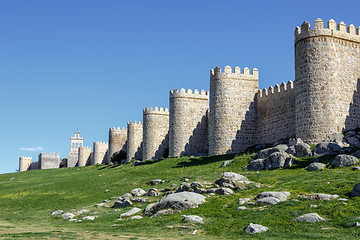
x: 315, y: 166
x: 326, y: 148
x: 309, y: 217
x: 243, y: 200
x: 224, y: 191
x: 68, y: 215
x: 323, y: 196
x: 122, y: 203
x: 139, y: 199
x: 90, y: 218
x: 138, y: 192
x: 256, y: 165
x: 135, y: 217
x: 193, y: 219
x: 356, y: 224
x: 156, y: 181
x: 271, y: 197
x: 241, y: 208
x: 163, y: 212
x: 344, y: 160
x: 131, y: 212
x: 356, y: 168
x: 226, y: 163
x: 57, y: 212
x: 255, y: 228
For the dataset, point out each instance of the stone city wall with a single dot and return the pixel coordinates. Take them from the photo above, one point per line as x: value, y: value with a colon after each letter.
x: 100, y: 151
x: 155, y: 133
x: 49, y: 160
x: 134, y: 141
x: 276, y: 113
x: 188, y: 129
x: 117, y: 141
x: 232, y: 120
x: 84, y: 156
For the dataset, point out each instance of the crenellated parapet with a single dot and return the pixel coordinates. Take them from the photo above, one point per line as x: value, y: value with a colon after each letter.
x: 182, y: 93
x: 284, y: 88
x: 156, y: 111
x: 235, y: 73
x: 339, y: 31
x: 24, y: 163
x: 117, y: 141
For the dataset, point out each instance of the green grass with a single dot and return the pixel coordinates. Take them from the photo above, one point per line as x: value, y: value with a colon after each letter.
x: 26, y: 203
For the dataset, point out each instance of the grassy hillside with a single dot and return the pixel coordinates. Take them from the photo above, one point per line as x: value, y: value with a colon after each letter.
x: 27, y: 201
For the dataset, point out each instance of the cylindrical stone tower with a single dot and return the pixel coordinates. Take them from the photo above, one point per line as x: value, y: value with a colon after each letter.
x: 134, y: 141
x: 188, y: 130
x: 232, y: 120
x: 84, y: 156
x: 155, y: 133
x: 327, y: 63
x: 24, y: 163
x: 100, y: 151
x: 117, y: 141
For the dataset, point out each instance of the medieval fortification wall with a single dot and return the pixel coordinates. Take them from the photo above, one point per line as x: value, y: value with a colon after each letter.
x: 117, y: 141
x: 84, y: 156
x: 155, y: 133
x: 100, y: 152
x: 134, y: 141
x: 235, y: 115
x: 188, y: 124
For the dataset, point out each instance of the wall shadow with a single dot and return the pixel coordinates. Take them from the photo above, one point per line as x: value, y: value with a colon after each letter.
x: 204, y: 160
x: 353, y: 119
x: 198, y: 143
x: 159, y: 153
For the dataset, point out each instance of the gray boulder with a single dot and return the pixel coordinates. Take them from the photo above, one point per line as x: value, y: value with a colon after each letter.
x: 226, y: 163
x: 156, y: 181
x: 153, y: 192
x: 353, y: 141
x: 315, y: 166
x: 131, y: 212
x: 344, y: 160
x: 193, y: 219
x: 122, y: 203
x: 355, y: 192
x: 89, y: 218
x: 180, y: 201
x: 149, y: 209
x: 310, y: 217
x: 224, y: 191
x: 243, y: 200
x: 231, y: 180
x: 138, y: 192
x: 271, y: 197
x: 256, y: 165
x: 356, y: 154
x: 326, y: 148
x: 127, y: 195
x: 324, y: 196
x: 268, y: 151
x: 163, y: 212
x: 68, y: 215
x: 135, y: 217
x: 277, y: 160
x: 57, y: 212
x: 300, y: 149
x: 255, y: 228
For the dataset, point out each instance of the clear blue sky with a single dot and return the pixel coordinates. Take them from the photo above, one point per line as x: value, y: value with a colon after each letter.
x: 92, y: 65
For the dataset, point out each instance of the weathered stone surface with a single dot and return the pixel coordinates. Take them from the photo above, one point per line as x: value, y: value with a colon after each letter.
x: 255, y: 228
x: 344, y: 160
x: 138, y: 192
x: 57, y: 212
x: 256, y: 165
x: 262, y: 154
x: 180, y: 201
x: 135, y: 217
x: 89, y: 218
x: 127, y: 195
x: 302, y: 150
x: 193, y: 219
x: 326, y: 148
x: 153, y: 192
x: 271, y: 197
x: 276, y: 160
x: 315, y: 166
x: 163, y: 212
x: 131, y: 212
x: 231, y: 180
x: 68, y: 215
x: 224, y: 191
x: 139, y: 199
x: 243, y: 200
x: 134, y: 140
x: 156, y: 181
x: 353, y: 141
x: 149, y: 209
x: 310, y: 217
x: 122, y: 203
x: 324, y: 196
x: 355, y: 192
x: 226, y: 163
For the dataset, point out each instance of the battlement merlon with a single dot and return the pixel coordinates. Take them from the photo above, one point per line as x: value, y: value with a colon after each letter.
x: 156, y: 111
x: 85, y: 148
x: 98, y: 143
x: 234, y: 74
x: 135, y: 123
x: 339, y: 31
x: 182, y: 93
x: 49, y: 154
x: 26, y: 158
x: 276, y: 89
x: 117, y: 130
